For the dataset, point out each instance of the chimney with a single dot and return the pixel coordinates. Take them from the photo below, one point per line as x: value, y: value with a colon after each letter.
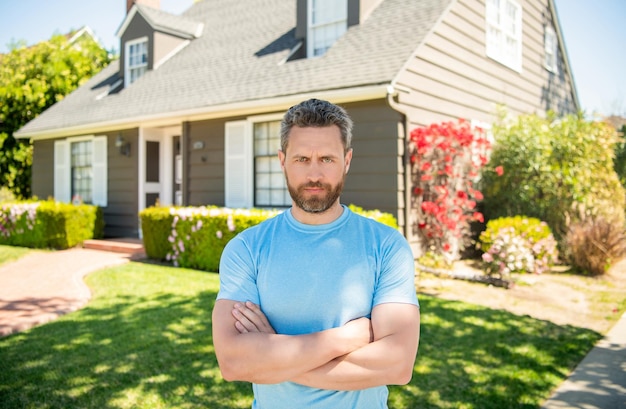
x: 155, y: 4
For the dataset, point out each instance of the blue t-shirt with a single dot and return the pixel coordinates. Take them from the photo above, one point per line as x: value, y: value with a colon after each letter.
x: 308, y: 278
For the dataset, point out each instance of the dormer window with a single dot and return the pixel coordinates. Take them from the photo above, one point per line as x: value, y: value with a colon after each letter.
x: 136, y: 59
x: 328, y: 20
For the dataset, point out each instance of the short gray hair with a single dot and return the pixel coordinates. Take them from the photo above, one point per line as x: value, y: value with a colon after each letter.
x: 316, y: 113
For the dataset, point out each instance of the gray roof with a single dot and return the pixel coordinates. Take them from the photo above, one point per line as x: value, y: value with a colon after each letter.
x: 238, y: 57
x: 166, y: 22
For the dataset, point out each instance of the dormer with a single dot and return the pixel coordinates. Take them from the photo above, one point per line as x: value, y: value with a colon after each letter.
x: 320, y: 23
x: 150, y: 36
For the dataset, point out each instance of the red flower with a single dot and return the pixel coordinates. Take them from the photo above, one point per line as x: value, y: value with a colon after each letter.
x: 499, y: 170
x: 478, y: 216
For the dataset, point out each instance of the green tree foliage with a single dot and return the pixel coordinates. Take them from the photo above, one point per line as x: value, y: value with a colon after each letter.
x: 31, y: 80
x: 553, y: 168
x: 620, y: 157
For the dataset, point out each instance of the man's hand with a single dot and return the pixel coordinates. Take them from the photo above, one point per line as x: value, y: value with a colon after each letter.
x: 250, y: 318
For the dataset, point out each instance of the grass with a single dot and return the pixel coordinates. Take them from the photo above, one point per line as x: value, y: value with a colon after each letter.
x: 144, y: 341
x: 10, y: 253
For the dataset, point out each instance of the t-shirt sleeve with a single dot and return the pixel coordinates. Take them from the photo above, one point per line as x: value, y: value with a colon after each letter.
x: 396, y: 283
x: 237, y: 273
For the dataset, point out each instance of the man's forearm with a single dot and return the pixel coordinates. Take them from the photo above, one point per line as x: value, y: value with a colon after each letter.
x: 384, y: 362
x: 272, y: 358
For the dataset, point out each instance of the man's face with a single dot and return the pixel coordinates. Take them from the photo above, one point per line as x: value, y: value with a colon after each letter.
x: 315, y: 167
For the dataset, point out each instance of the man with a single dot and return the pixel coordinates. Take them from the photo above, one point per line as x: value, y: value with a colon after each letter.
x: 317, y: 306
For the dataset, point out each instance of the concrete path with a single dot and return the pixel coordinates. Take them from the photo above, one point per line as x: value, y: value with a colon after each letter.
x: 599, y: 381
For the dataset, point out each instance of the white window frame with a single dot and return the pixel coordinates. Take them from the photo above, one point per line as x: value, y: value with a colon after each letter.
x: 63, y: 169
x: 239, y: 186
x: 551, y: 46
x: 503, y: 33
x: 135, y: 71
x: 329, y: 29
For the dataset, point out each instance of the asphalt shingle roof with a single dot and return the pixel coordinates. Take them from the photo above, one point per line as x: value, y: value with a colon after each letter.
x: 237, y: 58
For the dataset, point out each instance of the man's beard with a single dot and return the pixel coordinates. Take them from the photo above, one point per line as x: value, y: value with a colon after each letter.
x: 318, y: 203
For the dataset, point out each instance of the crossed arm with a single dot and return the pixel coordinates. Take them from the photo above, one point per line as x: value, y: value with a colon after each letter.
x: 361, y: 354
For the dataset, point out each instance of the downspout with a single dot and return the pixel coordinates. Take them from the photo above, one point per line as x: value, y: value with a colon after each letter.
x: 392, y: 93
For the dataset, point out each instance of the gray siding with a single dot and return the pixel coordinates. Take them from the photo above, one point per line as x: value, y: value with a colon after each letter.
x: 43, y: 169
x: 164, y: 44
x: 120, y: 216
x: 376, y: 176
x: 451, y: 77
x: 206, y: 166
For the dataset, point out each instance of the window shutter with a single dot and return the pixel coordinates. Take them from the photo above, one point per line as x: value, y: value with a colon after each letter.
x: 238, y: 165
x: 62, y: 188
x: 99, y: 164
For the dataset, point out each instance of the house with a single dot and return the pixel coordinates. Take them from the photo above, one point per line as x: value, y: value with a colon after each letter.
x: 189, y: 114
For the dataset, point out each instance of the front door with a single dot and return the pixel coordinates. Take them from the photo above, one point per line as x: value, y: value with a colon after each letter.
x: 156, y: 170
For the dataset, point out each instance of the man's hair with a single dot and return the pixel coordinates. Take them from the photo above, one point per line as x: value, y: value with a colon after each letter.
x: 316, y: 113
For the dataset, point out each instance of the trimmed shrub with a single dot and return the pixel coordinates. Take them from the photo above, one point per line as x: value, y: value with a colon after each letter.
x: 549, y: 167
x: 195, y: 237
x: 594, y: 245
x: 49, y: 224
x: 517, y: 245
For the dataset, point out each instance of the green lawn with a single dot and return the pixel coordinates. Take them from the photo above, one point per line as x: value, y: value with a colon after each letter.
x: 10, y: 253
x: 144, y: 341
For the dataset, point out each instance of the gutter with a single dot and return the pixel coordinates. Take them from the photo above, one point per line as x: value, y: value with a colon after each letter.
x: 241, y: 108
x: 392, y: 93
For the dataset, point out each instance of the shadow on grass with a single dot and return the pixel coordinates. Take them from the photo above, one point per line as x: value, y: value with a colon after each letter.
x: 475, y: 357
x: 144, y: 341
x: 149, y: 350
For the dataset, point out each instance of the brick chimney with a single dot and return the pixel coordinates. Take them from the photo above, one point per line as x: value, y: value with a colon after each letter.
x: 155, y: 4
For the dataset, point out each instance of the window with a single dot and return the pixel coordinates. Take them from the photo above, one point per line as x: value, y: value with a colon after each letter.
x: 136, y: 59
x: 270, y: 188
x: 327, y: 21
x: 504, y: 32
x: 81, y: 171
x: 252, y: 172
x: 550, y: 46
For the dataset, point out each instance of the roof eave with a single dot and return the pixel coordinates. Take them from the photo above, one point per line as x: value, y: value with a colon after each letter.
x: 241, y: 108
x: 568, y: 68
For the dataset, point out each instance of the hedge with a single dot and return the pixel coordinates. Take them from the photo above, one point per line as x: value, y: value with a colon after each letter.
x: 49, y: 224
x: 194, y: 237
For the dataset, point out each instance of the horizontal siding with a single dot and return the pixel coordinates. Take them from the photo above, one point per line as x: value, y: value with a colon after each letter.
x: 120, y: 215
x: 451, y: 77
x: 43, y: 169
x: 376, y: 177
x: 206, y: 166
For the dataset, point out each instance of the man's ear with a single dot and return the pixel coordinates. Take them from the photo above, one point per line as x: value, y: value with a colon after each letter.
x: 281, y: 158
x: 348, y: 160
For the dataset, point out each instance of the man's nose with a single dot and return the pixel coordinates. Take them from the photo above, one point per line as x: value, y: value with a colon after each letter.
x: 314, y: 173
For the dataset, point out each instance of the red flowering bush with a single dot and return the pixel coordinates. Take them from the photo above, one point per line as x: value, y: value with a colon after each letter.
x: 447, y: 159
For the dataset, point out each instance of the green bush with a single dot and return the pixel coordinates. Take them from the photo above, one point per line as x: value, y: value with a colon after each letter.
x: 518, y: 245
x: 194, y: 237
x: 550, y: 168
x: 49, y: 224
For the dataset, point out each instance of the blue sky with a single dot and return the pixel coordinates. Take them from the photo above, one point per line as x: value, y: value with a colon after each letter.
x: 594, y: 31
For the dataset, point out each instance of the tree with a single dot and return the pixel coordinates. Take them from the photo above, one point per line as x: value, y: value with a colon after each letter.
x: 31, y: 80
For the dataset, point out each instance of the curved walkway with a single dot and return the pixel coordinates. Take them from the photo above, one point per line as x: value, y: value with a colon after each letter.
x: 41, y: 286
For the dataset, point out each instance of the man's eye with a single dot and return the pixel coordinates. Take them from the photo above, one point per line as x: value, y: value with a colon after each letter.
x: 327, y: 160
x: 302, y: 159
